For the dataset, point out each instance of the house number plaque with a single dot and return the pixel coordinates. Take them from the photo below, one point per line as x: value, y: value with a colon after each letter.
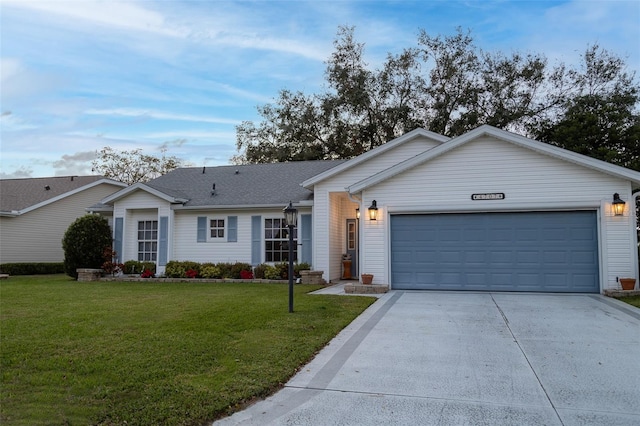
x: 488, y: 196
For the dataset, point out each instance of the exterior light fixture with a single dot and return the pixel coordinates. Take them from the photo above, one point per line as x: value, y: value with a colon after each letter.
x: 291, y: 218
x: 373, y: 210
x: 617, y: 205
x: 358, y: 213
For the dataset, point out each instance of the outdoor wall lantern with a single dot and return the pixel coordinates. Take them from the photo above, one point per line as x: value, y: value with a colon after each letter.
x: 357, y: 213
x: 291, y: 217
x: 618, y: 205
x: 373, y: 211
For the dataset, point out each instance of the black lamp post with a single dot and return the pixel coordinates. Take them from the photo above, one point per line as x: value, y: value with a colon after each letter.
x: 291, y: 217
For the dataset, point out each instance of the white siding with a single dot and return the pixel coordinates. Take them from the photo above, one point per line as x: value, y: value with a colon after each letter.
x: 331, y: 207
x: 530, y: 181
x: 377, y: 164
x: 138, y: 206
x: 36, y: 236
x: 186, y: 247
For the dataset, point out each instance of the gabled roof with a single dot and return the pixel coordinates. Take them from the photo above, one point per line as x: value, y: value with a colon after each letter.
x: 374, y: 153
x: 247, y: 185
x: 19, y: 196
x: 513, y: 138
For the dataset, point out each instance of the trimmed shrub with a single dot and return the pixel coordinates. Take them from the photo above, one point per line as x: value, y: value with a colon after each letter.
x: 178, y: 269
x: 132, y: 267
x: 136, y: 267
x: 258, y: 271
x: 300, y: 267
x: 209, y: 270
x: 283, y: 270
x: 84, y: 243
x: 271, y: 273
x: 32, y: 268
x: 238, y: 267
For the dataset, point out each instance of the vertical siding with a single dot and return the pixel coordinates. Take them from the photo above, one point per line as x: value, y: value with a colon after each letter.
x: 36, y: 236
x: 530, y: 181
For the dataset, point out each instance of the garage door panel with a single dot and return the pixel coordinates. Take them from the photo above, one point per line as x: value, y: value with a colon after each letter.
x: 536, y: 251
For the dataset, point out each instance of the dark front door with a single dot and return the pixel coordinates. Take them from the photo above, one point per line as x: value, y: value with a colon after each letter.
x: 352, y: 245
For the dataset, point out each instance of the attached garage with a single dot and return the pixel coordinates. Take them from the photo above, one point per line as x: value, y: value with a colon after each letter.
x: 523, y: 251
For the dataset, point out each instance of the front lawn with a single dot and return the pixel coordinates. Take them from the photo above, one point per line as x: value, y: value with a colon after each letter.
x: 153, y: 353
x: 632, y: 300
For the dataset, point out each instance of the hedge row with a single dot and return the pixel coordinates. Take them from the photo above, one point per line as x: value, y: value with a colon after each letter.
x: 32, y: 268
x: 238, y: 270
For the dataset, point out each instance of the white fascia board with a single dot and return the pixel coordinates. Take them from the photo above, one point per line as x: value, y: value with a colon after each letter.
x: 239, y: 206
x: 142, y: 187
x: 309, y: 183
x: 70, y: 193
x: 12, y: 213
x: 541, y: 147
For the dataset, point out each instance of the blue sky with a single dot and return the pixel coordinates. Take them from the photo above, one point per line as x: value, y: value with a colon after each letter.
x: 80, y: 75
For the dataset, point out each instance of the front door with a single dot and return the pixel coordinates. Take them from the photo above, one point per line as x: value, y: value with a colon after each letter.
x: 352, y: 245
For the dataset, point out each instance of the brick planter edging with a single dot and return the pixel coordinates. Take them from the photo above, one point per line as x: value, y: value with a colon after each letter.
x: 365, y: 288
x: 621, y: 293
x: 89, y: 274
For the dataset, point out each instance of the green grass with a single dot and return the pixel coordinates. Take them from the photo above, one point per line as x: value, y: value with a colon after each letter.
x: 153, y: 353
x: 632, y: 300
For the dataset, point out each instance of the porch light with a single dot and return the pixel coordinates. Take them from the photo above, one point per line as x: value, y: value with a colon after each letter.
x: 357, y: 213
x: 373, y: 210
x: 617, y: 205
x: 291, y: 217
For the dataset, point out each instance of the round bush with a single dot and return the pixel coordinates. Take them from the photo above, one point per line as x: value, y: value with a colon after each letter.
x: 84, y: 243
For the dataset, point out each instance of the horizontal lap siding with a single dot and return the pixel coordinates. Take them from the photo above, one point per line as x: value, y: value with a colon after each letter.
x: 527, y: 178
x: 186, y: 246
x: 329, y: 221
x: 37, y: 235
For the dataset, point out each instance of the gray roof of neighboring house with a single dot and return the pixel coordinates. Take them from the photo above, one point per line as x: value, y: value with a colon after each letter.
x: 19, y: 194
x: 242, y: 185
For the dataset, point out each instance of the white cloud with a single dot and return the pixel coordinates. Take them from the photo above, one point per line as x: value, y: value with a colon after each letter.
x: 118, y: 14
x: 159, y: 115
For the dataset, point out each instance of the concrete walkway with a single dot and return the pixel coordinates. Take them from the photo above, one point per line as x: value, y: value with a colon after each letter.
x: 453, y: 358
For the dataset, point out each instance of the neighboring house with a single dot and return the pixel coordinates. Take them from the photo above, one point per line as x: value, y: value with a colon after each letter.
x: 488, y: 210
x: 36, y: 212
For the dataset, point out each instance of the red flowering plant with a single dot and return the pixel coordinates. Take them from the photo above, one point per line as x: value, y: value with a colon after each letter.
x: 111, y: 265
x: 146, y: 274
x: 191, y: 273
x: 246, y: 275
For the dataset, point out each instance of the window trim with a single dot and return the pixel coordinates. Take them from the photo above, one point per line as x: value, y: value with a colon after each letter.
x: 210, y: 228
x: 284, y: 230
x: 141, y: 255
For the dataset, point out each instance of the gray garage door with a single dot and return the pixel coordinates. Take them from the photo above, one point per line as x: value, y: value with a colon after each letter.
x: 541, y: 251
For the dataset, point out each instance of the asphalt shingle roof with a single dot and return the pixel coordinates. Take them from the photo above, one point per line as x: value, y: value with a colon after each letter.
x: 242, y: 185
x: 19, y: 194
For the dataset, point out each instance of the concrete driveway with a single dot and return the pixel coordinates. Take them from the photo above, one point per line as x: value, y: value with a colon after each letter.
x: 451, y: 358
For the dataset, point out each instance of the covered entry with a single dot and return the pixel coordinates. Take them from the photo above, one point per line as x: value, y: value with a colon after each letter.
x: 530, y: 251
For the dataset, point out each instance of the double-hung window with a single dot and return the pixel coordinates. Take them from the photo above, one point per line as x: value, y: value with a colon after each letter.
x: 276, y: 239
x: 147, y: 240
x: 216, y: 229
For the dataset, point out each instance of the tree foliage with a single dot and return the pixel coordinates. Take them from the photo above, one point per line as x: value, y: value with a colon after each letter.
x: 132, y: 166
x: 84, y: 243
x: 448, y: 85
